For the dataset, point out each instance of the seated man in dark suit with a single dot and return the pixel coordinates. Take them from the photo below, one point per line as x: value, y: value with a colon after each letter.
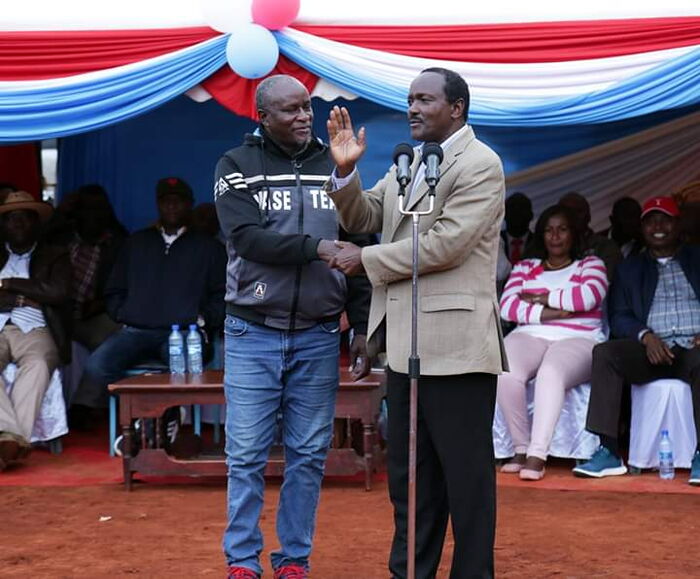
x: 35, y: 282
x: 626, y: 226
x: 166, y: 274
x: 517, y: 236
x: 655, y: 315
x: 85, y: 223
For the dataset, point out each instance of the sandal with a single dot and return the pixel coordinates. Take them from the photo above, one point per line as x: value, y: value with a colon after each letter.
x: 531, y: 475
x: 514, y: 465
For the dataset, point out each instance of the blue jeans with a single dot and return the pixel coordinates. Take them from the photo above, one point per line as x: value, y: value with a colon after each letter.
x: 268, y: 371
x: 110, y: 361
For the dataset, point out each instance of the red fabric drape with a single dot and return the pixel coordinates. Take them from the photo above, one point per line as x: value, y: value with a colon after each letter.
x: 19, y: 165
x: 238, y: 94
x: 527, y: 42
x: 39, y: 55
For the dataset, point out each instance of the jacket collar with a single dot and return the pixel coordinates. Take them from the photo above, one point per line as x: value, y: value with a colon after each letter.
x: 455, y: 148
x: 260, y: 138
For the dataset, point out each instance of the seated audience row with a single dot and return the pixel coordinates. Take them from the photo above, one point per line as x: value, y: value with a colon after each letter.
x: 74, y: 273
x: 556, y: 299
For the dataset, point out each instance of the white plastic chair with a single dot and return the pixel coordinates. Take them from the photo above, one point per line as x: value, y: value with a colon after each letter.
x: 570, y: 439
x: 658, y: 405
x: 51, y: 423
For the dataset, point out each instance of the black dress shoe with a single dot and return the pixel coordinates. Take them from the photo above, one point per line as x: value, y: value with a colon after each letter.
x: 10, y: 448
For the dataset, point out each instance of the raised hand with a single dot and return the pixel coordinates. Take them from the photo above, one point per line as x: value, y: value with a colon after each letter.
x: 346, y: 147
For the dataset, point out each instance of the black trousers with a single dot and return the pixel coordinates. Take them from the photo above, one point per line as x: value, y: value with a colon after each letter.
x: 455, y: 472
x: 620, y: 361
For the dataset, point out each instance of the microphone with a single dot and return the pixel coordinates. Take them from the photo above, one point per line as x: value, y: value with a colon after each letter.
x: 403, y: 157
x: 432, y: 157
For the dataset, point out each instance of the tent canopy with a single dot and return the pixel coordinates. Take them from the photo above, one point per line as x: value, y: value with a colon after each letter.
x: 549, y: 81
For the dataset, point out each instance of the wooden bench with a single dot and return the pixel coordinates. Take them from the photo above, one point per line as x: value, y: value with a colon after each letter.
x: 149, y: 395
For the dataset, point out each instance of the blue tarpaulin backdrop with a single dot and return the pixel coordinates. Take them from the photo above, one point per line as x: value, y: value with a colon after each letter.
x: 185, y: 139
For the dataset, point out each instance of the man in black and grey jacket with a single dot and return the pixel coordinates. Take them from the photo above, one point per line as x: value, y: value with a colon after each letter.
x: 283, y: 305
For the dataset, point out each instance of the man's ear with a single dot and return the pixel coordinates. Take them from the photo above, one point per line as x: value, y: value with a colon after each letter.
x: 262, y: 115
x: 458, y: 109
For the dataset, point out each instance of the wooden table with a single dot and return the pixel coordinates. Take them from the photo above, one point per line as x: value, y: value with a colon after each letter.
x: 149, y: 395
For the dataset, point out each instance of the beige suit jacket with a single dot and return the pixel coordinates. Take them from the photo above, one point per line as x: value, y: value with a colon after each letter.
x: 458, y: 313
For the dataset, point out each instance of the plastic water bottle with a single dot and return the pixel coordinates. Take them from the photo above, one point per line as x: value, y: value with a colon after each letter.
x: 176, y: 349
x: 194, y: 350
x: 666, y: 471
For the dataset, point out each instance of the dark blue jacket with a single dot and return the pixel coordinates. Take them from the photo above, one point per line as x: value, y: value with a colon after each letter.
x: 152, y: 286
x: 634, y: 286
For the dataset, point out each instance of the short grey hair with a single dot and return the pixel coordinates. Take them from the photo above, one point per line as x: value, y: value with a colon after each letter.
x: 266, y: 89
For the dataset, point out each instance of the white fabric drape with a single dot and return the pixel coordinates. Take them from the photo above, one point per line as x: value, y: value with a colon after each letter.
x: 520, y: 83
x: 91, y: 15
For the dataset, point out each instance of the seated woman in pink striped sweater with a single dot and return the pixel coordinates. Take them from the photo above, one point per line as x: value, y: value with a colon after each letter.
x: 556, y: 301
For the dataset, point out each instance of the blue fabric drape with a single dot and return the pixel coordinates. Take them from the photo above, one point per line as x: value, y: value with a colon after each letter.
x: 98, y: 100
x: 183, y: 138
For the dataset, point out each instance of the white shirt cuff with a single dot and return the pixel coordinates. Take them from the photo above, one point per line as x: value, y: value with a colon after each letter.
x: 340, y: 182
x: 536, y: 314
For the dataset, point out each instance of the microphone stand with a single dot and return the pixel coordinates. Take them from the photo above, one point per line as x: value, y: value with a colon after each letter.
x: 413, y: 374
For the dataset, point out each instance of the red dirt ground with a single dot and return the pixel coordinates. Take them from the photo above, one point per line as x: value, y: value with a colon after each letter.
x: 561, y: 527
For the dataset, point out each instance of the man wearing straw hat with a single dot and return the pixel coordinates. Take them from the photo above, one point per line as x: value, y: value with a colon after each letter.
x: 35, y: 282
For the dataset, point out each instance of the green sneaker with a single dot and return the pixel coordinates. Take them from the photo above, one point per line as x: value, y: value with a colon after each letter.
x: 602, y: 463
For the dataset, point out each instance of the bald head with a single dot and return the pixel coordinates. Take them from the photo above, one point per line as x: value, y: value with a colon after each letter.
x: 286, y: 116
x: 268, y: 90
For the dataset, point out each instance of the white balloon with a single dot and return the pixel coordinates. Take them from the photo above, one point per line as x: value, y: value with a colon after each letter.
x: 226, y: 15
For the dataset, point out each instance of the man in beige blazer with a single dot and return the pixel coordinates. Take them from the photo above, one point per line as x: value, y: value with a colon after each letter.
x: 459, y: 340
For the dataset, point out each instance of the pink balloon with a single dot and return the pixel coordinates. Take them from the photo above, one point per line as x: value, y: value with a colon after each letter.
x: 275, y: 14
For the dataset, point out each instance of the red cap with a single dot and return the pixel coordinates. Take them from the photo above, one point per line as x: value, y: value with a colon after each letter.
x: 664, y: 204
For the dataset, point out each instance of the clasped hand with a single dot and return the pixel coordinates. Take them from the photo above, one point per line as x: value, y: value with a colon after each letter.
x: 341, y: 255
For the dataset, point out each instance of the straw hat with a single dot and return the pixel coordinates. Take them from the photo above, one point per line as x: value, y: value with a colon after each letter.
x: 18, y: 200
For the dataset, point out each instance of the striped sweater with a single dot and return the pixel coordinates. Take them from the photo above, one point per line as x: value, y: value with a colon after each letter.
x: 580, y: 288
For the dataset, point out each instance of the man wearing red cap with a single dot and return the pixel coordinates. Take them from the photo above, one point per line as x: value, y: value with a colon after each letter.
x: 654, y: 315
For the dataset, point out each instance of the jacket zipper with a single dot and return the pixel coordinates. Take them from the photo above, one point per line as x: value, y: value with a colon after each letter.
x: 296, y: 165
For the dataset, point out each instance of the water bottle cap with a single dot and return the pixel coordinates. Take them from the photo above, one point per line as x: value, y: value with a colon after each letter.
x: 175, y: 327
x: 664, y: 432
x: 193, y: 326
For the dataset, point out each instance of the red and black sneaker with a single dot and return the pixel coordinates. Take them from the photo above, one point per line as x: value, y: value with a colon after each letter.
x: 291, y: 572
x: 235, y: 572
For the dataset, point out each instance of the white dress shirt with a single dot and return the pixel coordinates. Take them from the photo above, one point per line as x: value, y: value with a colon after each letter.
x: 26, y: 318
